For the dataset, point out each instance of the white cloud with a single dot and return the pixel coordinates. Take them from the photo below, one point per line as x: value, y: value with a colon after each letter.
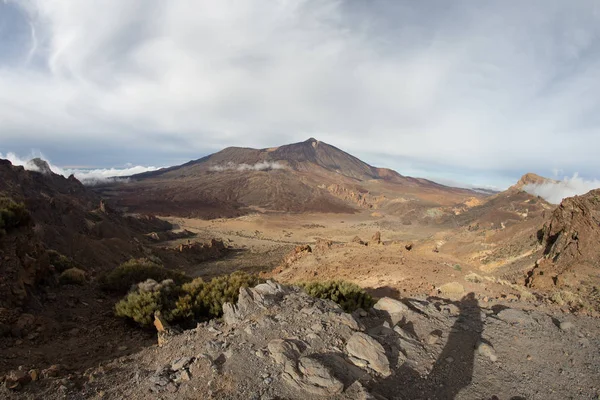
x: 261, y: 166
x: 471, y: 85
x: 555, y: 192
x: 85, y: 175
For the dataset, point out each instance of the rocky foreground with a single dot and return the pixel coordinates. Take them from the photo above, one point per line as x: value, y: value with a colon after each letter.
x: 280, y: 343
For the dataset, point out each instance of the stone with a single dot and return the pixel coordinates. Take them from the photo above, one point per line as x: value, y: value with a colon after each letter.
x: 283, y: 351
x: 434, y: 337
x: 376, y: 239
x: 566, y: 326
x: 516, y: 317
x: 317, y: 378
x: 393, y: 308
x: 15, y: 380
x: 487, y: 350
x: 52, y: 371
x: 390, y: 305
x: 366, y: 351
x: 34, y: 374
x: 181, y: 363
x: 358, y: 240
x: 409, y: 246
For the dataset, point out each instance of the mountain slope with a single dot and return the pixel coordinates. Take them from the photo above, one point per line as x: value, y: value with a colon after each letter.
x: 309, y: 176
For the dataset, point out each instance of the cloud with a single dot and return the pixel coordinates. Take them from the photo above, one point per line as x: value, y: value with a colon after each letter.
x: 568, y: 187
x: 261, y: 166
x: 87, y: 176
x: 488, y: 86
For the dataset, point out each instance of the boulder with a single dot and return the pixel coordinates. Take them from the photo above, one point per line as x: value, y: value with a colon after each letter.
x: 250, y: 300
x: 393, y: 308
x: 366, y: 352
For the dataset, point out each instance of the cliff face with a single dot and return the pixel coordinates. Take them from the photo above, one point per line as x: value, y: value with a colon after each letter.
x: 571, y: 242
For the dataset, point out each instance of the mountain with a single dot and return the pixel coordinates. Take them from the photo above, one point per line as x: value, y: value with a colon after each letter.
x: 531, y: 179
x: 310, y: 176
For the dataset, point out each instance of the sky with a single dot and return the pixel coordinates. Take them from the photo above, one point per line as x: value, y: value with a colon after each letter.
x: 464, y: 92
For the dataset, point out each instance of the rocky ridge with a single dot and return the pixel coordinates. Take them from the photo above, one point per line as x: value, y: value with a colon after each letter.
x: 277, y: 342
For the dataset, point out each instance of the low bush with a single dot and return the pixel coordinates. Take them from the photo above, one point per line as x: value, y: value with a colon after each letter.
x: 348, y: 295
x: 122, y: 278
x: 204, y: 300
x: 12, y: 215
x: 194, y: 301
x: 60, y: 262
x: 72, y: 276
x: 149, y: 297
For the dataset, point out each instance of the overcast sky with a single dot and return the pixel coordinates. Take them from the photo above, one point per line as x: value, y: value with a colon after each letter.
x: 470, y: 91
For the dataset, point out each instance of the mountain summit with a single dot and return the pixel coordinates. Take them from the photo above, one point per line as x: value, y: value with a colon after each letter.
x: 309, y: 176
x: 306, y: 156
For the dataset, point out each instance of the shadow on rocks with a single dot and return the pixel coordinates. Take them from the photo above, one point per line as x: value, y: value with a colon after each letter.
x: 453, y: 369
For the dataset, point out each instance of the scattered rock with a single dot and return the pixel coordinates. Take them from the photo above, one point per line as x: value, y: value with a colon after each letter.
x: 34, y: 374
x: 365, y: 351
x: 566, y: 326
x: 376, y: 239
x: 52, y: 371
x: 358, y: 240
x: 15, y: 380
x: 487, y: 350
x: 409, y: 246
x: 181, y: 363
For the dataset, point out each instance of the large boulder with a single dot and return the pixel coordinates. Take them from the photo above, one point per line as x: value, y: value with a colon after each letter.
x: 393, y: 308
x: 366, y: 352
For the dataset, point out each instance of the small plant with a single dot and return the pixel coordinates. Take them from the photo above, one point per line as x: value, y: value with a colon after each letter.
x: 149, y: 297
x: 474, y: 278
x: 12, y: 215
x: 194, y: 301
x: 60, y: 262
x: 122, y: 278
x: 348, y: 295
x: 72, y: 276
x: 457, y: 267
x: 202, y: 300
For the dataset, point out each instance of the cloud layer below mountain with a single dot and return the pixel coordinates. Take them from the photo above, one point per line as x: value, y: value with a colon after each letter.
x: 85, y: 175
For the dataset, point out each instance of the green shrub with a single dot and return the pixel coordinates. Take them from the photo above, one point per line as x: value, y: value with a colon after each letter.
x: 60, y: 262
x: 346, y: 294
x: 122, y: 278
x: 72, y: 276
x: 194, y: 301
x: 149, y: 297
x: 12, y: 215
x: 457, y: 267
x: 204, y: 300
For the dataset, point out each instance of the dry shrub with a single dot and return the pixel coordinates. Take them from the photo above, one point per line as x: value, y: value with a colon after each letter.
x: 148, y: 298
x: 194, y: 301
x: 473, y: 277
x: 12, y: 215
x: 72, y: 276
x: 60, y: 262
x: 348, y: 295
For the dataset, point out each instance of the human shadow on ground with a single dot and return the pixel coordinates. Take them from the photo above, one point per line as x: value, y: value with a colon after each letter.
x: 453, y: 369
